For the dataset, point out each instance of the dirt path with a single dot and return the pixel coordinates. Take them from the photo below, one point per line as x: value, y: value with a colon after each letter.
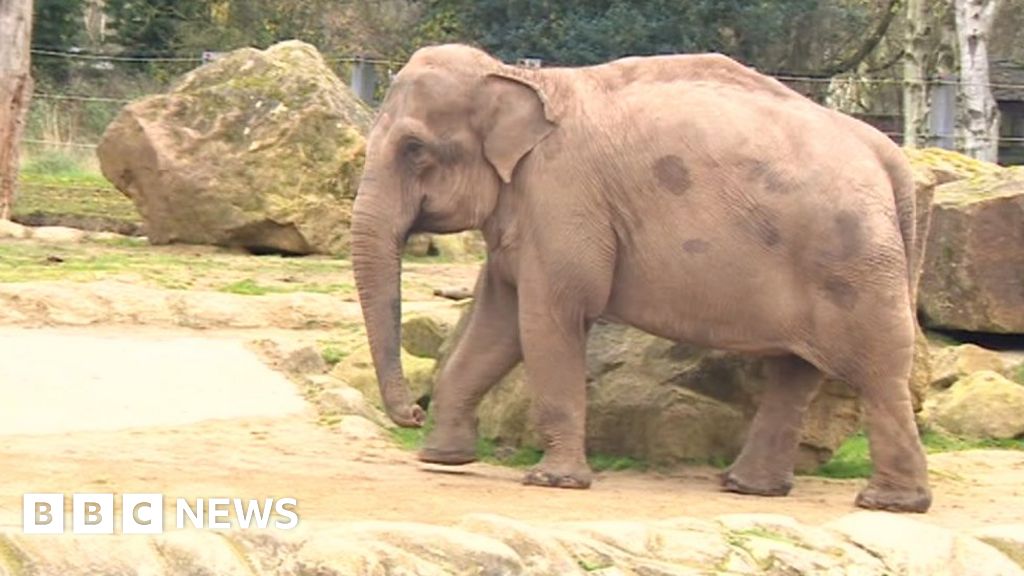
x: 252, y: 438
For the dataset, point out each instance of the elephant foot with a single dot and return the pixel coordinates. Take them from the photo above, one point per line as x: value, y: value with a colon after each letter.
x: 895, y: 500
x: 446, y: 457
x: 443, y: 449
x: 732, y: 482
x: 578, y: 477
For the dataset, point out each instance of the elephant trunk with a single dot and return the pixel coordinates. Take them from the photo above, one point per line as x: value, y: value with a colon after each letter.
x: 378, y: 236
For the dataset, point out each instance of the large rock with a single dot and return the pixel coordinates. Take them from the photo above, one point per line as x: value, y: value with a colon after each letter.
x: 259, y: 149
x: 982, y: 405
x: 868, y: 544
x: 909, y: 546
x: 666, y: 403
x: 948, y: 166
x: 974, y: 266
x: 952, y: 363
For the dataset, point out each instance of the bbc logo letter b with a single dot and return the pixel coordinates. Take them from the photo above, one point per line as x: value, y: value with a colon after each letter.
x: 42, y: 513
x: 92, y: 513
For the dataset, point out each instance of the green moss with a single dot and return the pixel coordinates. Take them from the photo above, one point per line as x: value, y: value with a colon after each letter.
x: 250, y: 287
x: 590, y: 566
x: 602, y: 462
x: 332, y: 355
x: 853, y: 458
x: 75, y: 191
x: 409, y: 438
x: 176, y: 267
x: 1017, y: 374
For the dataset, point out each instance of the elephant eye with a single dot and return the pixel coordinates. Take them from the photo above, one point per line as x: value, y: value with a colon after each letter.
x: 413, y: 148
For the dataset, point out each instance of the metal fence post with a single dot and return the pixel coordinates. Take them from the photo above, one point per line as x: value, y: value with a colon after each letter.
x: 364, y: 80
x: 942, y: 119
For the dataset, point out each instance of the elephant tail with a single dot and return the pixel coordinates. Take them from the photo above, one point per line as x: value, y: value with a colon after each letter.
x: 913, y: 219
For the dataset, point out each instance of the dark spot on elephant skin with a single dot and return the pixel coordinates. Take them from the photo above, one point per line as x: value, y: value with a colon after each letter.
x: 850, y: 233
x: 770, y: 178
x: 841, y: 293
x: 672, y: 174
x: 696, y: 246
x: 762, y: 224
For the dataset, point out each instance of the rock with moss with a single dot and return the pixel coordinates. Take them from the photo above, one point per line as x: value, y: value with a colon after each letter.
x: 948, y: 166
x: 461, y: 247
x: 952, y: 363
x: 984, y: 405
x: 424, y: 333
x: 666, y: 403
x: 357, y: 371
x: 973, y: 276
x: 260, y: 150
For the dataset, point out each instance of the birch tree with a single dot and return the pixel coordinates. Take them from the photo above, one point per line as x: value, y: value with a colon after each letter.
x: 929, y: 53
x: 15, y: 93
x: 978, y: 116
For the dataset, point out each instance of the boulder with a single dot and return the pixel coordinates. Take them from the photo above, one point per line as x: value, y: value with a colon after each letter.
x: 909, y: 546
x: 955, y: 362
x: 666, y: 403
x: 973, y: 276
x: 1007, y: 538
x: 13, y: 230
x: 948, y: 166
x: 863, y: 543
x: 259, y: 149
x: 982, y: 405
x: 58, y: 234
x: 424, y: 334
x: 461, y: 247
x: 357, y: 371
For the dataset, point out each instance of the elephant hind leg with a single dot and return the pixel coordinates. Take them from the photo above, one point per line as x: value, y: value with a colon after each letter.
x: 765, y: 465
x: 876, y: 360
x: 900, y: 479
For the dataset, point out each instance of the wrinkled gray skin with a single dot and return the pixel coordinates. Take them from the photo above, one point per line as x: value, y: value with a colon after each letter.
x: 685, y: 195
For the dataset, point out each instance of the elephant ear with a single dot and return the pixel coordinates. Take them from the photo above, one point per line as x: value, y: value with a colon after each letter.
x: 516, y: 117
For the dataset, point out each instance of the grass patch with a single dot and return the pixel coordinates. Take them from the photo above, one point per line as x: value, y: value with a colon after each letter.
x: 602, y: 462
x: 247, y: 287
x: 63, y: 183
x: 251, y: 287
x: 935, y: 443
x: 853, y: 459
x: 333, y: 355
x: 174, y: 267
x: 409, y: 438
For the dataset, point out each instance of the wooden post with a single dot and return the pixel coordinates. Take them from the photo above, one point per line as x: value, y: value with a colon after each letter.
x: 15, y: 93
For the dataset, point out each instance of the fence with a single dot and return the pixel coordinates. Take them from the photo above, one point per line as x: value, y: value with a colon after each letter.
x: 75, y: 120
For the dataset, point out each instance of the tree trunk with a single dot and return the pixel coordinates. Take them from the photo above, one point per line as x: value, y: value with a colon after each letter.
x: 978, y: 117
x: 15, y: 93
x: 916, y: 101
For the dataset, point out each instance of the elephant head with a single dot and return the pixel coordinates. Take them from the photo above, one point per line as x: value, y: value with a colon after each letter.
x: 448, y: 138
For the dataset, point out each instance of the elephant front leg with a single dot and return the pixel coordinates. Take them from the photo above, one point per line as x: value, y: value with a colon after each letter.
x: 487, y: 350
x: 554, y: 347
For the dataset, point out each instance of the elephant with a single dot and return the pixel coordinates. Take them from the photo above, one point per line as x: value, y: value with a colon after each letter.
x: 686, y: 195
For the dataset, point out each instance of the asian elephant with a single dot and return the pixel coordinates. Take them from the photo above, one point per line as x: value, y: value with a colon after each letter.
x: 688, y: 196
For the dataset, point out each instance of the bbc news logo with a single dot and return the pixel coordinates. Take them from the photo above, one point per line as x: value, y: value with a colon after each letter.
x: 144, y: 513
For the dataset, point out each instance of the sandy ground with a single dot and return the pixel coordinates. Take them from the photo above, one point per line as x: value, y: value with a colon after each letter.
x: 198, y: 415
